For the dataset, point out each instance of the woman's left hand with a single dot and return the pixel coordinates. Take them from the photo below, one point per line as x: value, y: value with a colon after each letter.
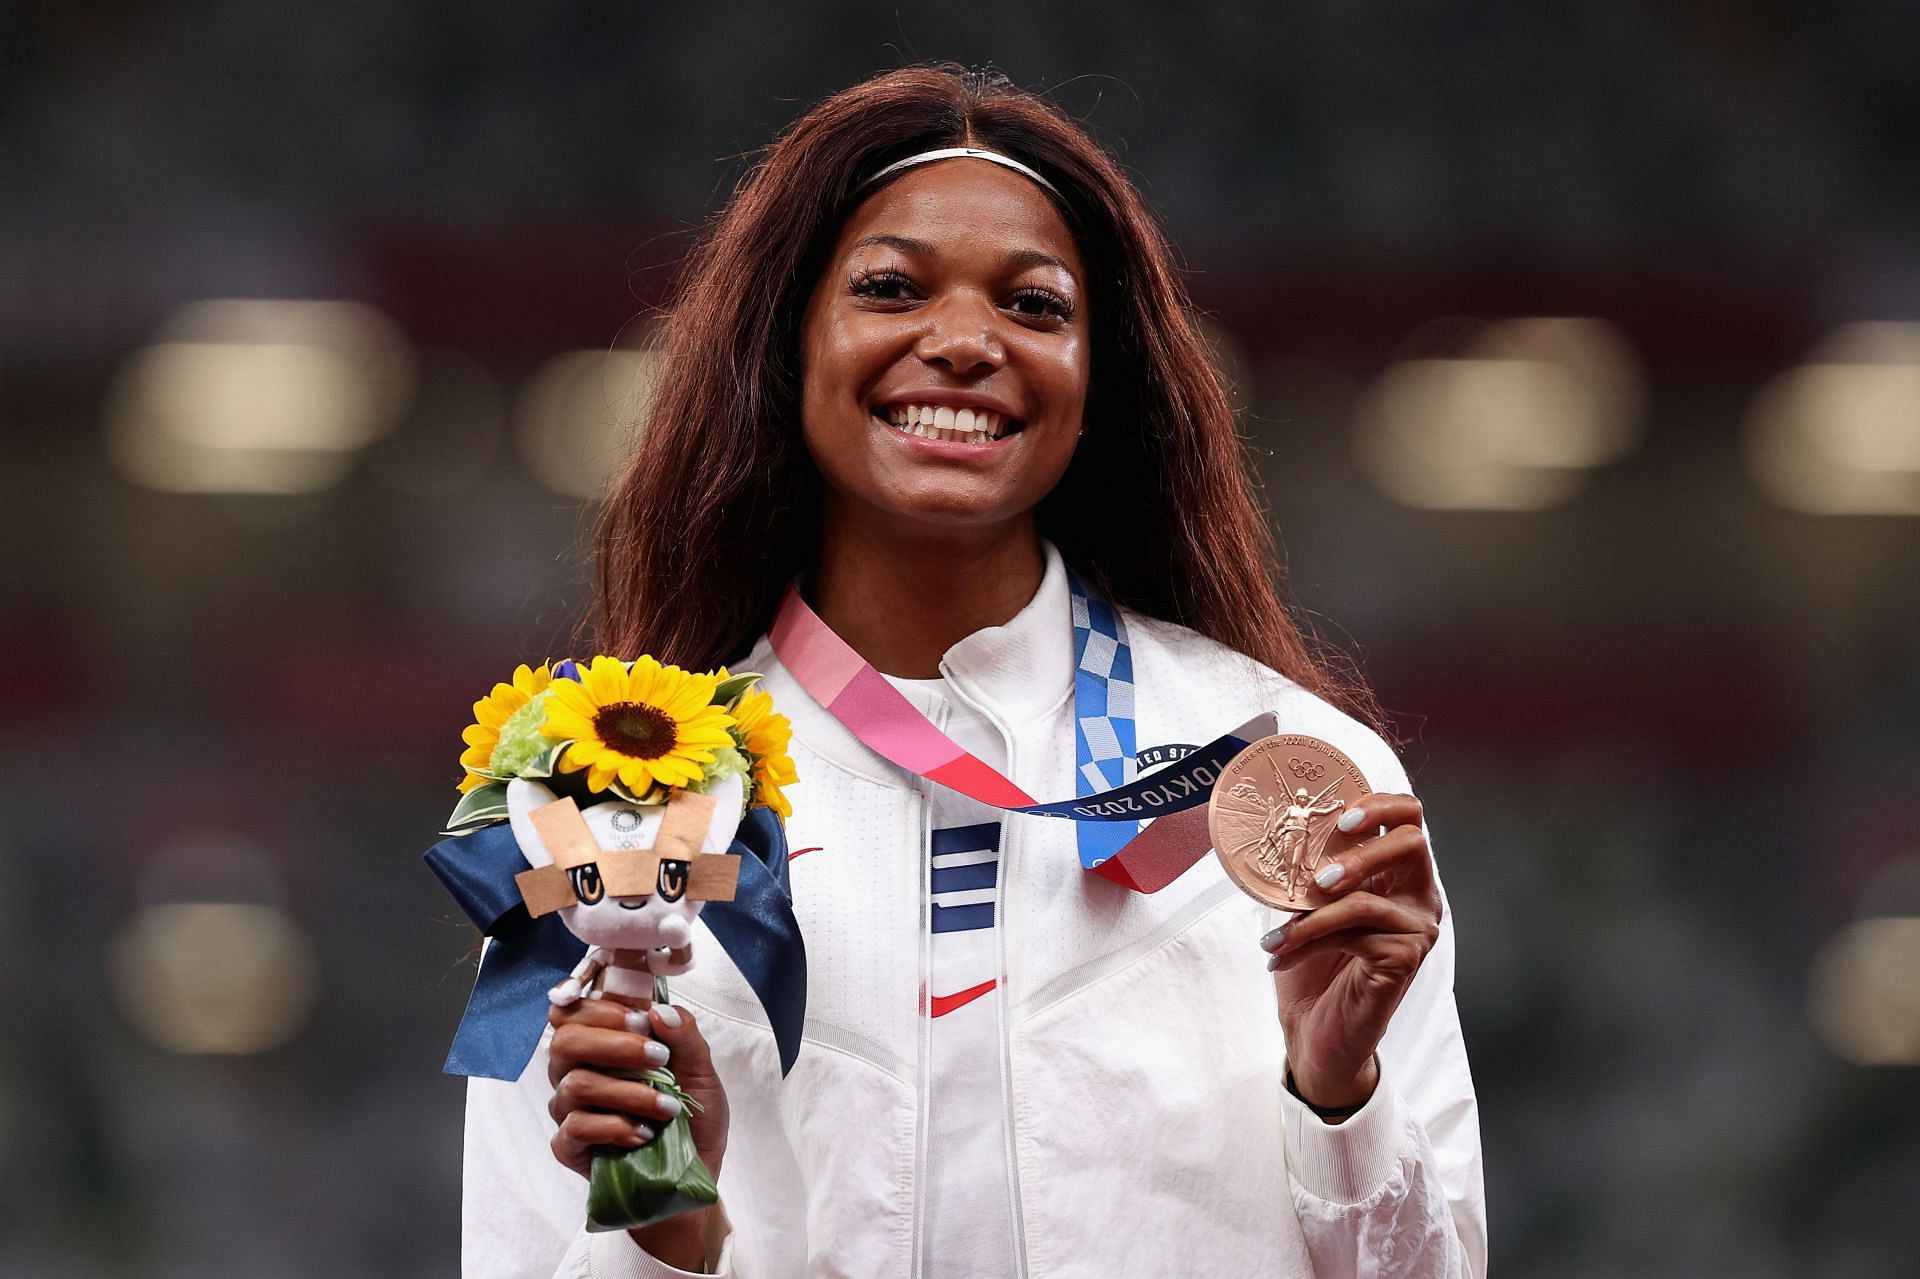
x: 1341, y: 969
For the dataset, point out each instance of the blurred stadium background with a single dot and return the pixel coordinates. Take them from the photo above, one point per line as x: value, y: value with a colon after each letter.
x: 1580, y: 347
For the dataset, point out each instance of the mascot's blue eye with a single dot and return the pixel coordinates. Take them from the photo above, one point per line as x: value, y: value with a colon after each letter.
x: 586, y: 883
x: 673, y: 881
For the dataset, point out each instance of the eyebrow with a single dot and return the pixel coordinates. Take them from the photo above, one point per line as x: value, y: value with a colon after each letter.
x: 920, y: 248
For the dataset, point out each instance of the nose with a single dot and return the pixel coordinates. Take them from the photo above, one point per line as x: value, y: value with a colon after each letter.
x: 961, y: 333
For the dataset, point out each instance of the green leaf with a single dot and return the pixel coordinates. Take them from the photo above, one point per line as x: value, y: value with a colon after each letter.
x: 662, y: 1080
x: 733, y: 686
x: 661, y: 1179
x: 547, y: 763
x: 481, y: 806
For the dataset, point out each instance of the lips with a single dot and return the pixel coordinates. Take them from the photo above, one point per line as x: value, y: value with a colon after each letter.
x: 944, y: 422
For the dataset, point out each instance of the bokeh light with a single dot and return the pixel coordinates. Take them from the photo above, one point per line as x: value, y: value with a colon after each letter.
x: 213, y: 977
x: 1513, y: 423
x: 1840, y: 435
x: 1864, y: 995
x: 257, y: 397
x: 579, y: 414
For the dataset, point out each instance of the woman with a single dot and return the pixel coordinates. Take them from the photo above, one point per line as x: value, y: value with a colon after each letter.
x: 926, y: 385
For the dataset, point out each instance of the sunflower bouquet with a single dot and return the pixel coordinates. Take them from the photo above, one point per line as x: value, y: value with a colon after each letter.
x: 622, y: 785
x: 636, y: 730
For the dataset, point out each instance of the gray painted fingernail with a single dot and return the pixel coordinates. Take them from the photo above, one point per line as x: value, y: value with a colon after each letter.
x: 643, y: 1131
x: 1274, y: 937
x: 669, y: 1015
x: 1351, y: 820
x: 637, y: 1022
x: 667, y: 1106
x: 656, y: 1052
x: 1330, y: 875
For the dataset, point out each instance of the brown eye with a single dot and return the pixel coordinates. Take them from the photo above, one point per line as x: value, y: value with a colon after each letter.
x: 673, y: 881
x: 1038, y: 303
x: 886, y: 285
x: 587, y: 885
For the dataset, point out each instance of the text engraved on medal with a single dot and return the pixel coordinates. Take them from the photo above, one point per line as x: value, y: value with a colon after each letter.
x: 1273, y: 817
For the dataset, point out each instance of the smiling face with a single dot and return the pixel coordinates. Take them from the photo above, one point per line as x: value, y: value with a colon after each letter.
x: 945, y: 349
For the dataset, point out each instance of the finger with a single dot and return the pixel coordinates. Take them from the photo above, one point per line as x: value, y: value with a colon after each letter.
x: 1362, y: 910
x: 1393, y: 863
x: 1371, y: 812
x: 577, y: 1045
x: 678, y: 1030
x: 582, y: 1130
x: 583, y: 1089
x: 1295, y: 931
x: 1396, y: 950
x: 608, y: 1014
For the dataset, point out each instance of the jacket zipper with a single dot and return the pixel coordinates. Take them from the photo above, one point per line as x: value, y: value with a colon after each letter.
x: 1008, y: 832
x: 1009, y: 837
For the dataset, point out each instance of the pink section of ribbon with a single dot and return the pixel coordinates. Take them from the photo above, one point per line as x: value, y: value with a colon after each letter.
x: 875, y: 711
x: 823, y: 662
x: 897, y: 730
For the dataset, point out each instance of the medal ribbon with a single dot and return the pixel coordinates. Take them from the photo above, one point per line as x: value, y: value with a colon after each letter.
x: 1108, y: 794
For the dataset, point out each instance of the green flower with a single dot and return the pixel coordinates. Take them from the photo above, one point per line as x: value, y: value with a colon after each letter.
x: 521, y: 741
x: 728, y: 761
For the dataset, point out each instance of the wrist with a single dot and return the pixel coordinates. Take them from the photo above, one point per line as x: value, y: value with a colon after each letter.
x: 679, y: 1241
x: 1332, y: 1097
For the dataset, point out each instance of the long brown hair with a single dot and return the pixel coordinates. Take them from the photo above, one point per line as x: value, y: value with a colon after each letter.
x: 719, y: 509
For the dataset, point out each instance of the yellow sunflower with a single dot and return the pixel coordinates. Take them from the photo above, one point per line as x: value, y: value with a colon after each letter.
x: 490, y: 712
x: 652, y: 725
x: 767, y: 735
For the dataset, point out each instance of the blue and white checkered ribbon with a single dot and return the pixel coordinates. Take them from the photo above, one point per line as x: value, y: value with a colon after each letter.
x: 1103, y: 716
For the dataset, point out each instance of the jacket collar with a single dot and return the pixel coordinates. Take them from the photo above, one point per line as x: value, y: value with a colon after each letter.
x: 1021, y: 669
x: 1019, y: 672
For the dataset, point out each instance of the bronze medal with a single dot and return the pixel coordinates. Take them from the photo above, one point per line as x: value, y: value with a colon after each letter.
x: 1272, y: 817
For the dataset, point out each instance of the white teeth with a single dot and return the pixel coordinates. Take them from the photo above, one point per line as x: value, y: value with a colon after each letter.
x: 943, y: 422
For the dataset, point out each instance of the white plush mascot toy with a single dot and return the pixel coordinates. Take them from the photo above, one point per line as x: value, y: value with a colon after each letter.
x: 627, y: 879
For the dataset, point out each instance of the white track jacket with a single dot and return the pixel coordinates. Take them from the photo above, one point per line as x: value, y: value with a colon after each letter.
x: 1147, y: 1126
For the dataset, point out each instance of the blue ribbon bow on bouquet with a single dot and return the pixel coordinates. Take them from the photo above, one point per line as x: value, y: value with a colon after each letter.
x: 507, y: 1011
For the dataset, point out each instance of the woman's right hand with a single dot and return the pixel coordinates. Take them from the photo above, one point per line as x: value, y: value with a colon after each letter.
x: 592, y: 1106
